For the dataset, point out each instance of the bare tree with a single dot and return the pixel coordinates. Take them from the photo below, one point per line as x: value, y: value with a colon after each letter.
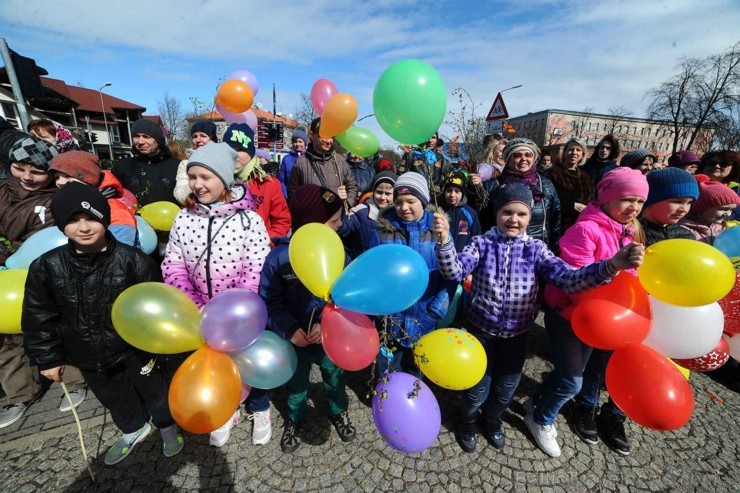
x: 305, y: 112
x: 171, y: 113
x: 578, y: 125
x: 727, y: 132
x: 615, y: 117
x: 697, y: 96
x: 466, y: 123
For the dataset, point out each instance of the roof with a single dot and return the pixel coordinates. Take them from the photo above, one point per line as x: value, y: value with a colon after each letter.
x: 261, y: 115
x: 89, y: 99
x: 153, y: 118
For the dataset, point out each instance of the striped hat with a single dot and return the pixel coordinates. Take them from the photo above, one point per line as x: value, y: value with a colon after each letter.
x: 412, y: 183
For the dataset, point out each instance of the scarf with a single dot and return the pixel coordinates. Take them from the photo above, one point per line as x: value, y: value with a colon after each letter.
x: 252, y: 169
x: 530, y: 178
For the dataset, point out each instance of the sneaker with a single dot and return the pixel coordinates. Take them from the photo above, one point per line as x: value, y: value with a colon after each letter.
x: 172, y: 441
x: 344, y: 426
x: 77, y: 397
x: 261, y: 427
x: 126, y: 444
x: 495, y: 434
x: 12, y: 413
x: 466, y: 438
x: 612, y: 431
x: 220, y: 436
x: 584, y: 424
x: 291, y: 439
x: 544, y: 435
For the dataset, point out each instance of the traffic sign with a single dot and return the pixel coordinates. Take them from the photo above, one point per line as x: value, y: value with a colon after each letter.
x: 498, y: 110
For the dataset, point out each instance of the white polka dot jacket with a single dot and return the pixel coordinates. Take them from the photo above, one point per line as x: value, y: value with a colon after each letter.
x: 212, y: 249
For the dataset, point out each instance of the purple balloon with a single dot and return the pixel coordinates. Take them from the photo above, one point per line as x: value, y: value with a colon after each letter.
x: 408, y: 424
x: 248, y: 117
x: 247, y: 77
x: 233, y: 319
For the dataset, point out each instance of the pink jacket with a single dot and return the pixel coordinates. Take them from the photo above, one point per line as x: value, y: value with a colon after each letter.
x: 702, y: 232
x: 594, y: 236
x: 212, y: 249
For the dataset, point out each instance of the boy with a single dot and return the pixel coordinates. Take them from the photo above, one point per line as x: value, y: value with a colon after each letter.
x: 464, y: 223
x: 672, y: 191
x: 67, y: 319
x: 295, y: 314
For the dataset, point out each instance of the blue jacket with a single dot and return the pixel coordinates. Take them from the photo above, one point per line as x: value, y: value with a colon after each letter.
x: 464, y: 224
x: 358, y: 229
x: 286, y: 166
x: 363, y: 174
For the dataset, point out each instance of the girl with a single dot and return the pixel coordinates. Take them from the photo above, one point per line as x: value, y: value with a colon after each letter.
x: 201, y: 133
x: 714, y: 207
x: 217, y: 243
x: 506, y: 263
x: 602, y: 229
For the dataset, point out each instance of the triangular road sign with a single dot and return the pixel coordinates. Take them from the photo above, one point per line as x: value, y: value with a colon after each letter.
x: 498, y: 110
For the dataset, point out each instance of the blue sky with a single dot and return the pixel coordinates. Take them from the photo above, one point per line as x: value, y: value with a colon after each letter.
x: 566, y: 54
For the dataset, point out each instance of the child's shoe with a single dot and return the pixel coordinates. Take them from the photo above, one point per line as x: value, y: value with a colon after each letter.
x: 344, y: 426
x: 261, y: 427
x: 291, y: 437
x: 612, y: 431
x: 584, y: 423
x: 466, y: 438
x: 220, y: 436
x: 172, y: 440
x: 126, y: 444
x: 545, y: 436
x: 495, y: 434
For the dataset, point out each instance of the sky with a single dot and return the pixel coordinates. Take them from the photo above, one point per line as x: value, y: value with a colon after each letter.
x: 565, y: 54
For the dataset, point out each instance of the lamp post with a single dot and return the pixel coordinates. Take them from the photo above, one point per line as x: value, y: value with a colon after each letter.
x: 105, y: 119
x: 510, y: 88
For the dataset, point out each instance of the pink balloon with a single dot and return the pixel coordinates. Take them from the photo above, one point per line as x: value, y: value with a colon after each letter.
x: 246, y: 389
x: 251, y: 119
x: 321, y: 92
x: 248, y: 117
x: 247, y: 77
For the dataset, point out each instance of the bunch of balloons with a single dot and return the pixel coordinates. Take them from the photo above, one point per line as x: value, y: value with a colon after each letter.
x: 236, y: 96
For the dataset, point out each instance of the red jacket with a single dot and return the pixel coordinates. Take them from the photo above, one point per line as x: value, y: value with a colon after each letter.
x: 270, y: 204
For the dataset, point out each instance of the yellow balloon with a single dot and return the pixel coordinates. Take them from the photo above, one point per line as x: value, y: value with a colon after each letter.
x: 157, y: 318
x: 451, y: 358
x: 686, y: 373
x: 160, y: 215
x: 317, y: 257
x: 12, y: 285
x: 686, y: 273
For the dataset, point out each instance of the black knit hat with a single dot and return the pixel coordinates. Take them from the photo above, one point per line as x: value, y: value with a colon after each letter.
x: 77, y: 197
x: 513, y: 192
x: 312, y: 204
x: 384, y: 177
x: 208, y: 128
x: 456, y: 179
x: 148, y: 127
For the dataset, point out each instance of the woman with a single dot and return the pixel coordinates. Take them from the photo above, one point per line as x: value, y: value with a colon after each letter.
x: 573, y: 184
x: 722, y: 166
x: 201, y: 133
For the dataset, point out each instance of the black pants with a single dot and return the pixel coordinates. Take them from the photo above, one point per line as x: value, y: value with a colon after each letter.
x: 130, y: 396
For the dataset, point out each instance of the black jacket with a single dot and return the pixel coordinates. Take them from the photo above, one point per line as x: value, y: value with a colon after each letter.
x: 655, y: 232
x: 68, y: 301
x: 149, y: 178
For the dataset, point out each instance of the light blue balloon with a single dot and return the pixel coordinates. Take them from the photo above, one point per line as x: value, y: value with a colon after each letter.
x: 452, y: 310
x: 384, y: 280
x: 728, y: 242
x: 147, y: 236
x: 36, y: 245
x: 267, y: 363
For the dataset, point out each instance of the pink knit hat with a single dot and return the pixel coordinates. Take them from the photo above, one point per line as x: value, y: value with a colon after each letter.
x: 622, y: 182
x: 712, y: 194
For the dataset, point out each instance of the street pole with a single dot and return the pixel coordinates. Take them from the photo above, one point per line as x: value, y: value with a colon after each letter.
x: 14, y: 84
x: 105, y: 120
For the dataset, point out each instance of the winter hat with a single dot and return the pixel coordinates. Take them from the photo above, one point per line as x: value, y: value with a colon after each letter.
x: 622, y: 182
x: 148, y: 127
x: 520, y: 144
x: 312, y: 204
x: 34, y: 151
x: 217, y: 157
x: 77, y: 197
x: 208, y: 128
x: 383, y: 177
x: 240, y: 136
x: 412, y: 183
x: 713, y: 194
x: 513, y: 192
x: 683, y: 158
x: 456, y: 179
x: 670, y: 183
x: 79, y: 165
x: 263, y: 153
x: 299, y: 134
x: 634, y: 157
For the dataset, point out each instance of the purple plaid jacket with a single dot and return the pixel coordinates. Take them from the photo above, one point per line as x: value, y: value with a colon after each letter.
x: 505, y: 284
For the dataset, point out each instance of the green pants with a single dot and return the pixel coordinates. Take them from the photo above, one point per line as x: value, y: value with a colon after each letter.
x: 297, y: 387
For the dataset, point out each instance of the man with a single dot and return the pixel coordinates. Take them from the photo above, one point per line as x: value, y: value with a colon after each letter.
x: 322, y: 166
x: 425, y: 161
x: 545, y: 162
x: 151, y: 173
x: 299, y: 139
x: 362, y: 172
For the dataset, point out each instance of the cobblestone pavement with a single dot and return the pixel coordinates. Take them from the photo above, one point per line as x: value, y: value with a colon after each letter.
x: 42, y: 452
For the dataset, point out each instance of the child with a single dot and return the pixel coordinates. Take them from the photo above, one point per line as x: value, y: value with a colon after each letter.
x: 602, y: 229
x: 295, y: 314
x: 710, y: 212
x: 84, y: 167
x: 67, y: 319
x: 506, y: 263
x: 217, y: 243
x: 463, y: 219
x: 672, y: 190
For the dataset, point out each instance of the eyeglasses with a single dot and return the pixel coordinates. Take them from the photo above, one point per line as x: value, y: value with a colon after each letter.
x: 519, y: 155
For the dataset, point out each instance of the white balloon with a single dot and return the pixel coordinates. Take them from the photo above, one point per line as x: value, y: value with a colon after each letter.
x: 684, y: 332
x: 734, y: 342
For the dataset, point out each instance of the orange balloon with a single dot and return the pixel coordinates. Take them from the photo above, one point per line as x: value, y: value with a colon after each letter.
x: 205, y: 391
x: 339, y: 114
x: 235, y: 96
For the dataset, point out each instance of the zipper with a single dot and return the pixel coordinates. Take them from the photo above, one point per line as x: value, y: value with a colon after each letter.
x: 505, y: 297
x: 208, y: 258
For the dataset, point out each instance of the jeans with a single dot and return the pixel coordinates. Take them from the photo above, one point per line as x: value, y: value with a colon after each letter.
x: 258, y: 400
x: 570, y: 357
x: 297, y: 386
x: 496, y: 389
x: 402, y: 359
x: 593, y: 380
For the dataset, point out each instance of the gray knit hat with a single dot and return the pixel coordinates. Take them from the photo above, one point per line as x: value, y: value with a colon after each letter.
x: 34, y: 151
x: 513, y: 192
x: 300, y: 134
x: 217, y: 157
x: 634, y: 157
x: 520, y: 144
x: 414, y: 184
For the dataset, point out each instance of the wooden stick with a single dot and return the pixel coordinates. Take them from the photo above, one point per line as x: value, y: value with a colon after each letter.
x: 79, y: 430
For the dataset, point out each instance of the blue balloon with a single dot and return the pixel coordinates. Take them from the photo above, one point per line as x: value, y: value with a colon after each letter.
x: 267, y: 363
x: 384, y: 280
x: 147, y: 236
x: 36, y: 245
x: 452, y: 310
x: 728, y: 242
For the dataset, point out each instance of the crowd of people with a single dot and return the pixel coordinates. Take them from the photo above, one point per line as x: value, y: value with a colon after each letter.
x: 520, y: 227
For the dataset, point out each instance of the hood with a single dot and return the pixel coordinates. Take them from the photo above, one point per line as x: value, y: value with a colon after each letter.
x: 110, y: 180
x: 241, y: 200
x: 389, y: 221
x: 18, y: 193
x: 495, y: 232
x: 593, y: 213
x: 314, y: 155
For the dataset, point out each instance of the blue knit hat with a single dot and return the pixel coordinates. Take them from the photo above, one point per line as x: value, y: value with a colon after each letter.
x: 208, y: 128
x: 671, y: 183
x: 240, y: 137
x: 412, y: 183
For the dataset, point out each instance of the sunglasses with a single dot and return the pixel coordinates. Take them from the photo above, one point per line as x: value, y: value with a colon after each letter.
x: 519, y: 155
x: 721, y: 165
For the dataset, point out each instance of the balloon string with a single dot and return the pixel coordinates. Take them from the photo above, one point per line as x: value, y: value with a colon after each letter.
x: 79, y: 430
x: 310, y: 321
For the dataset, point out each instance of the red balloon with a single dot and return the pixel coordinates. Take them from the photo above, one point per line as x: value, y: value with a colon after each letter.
x: 711, y: 361
x: 731, y: 308
x: 350, y: 339
x: 649, y: 389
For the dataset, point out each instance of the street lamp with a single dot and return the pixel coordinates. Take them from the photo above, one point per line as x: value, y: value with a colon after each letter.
x: 105, y: 118
x: 512, y: 87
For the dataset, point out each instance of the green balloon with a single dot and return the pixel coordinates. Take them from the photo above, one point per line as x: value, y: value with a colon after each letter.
x: 410, y: 101
x: 359, y: 141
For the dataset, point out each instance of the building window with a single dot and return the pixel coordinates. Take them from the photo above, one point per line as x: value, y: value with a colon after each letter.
x: 634, y: 131
x: 648, y: 131
x: 619, y: 129
x: 588, y: 127
x: 9, y: 113
x: 596, y: 128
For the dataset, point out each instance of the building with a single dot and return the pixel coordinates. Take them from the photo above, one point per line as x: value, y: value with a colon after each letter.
x: 552, y: 128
